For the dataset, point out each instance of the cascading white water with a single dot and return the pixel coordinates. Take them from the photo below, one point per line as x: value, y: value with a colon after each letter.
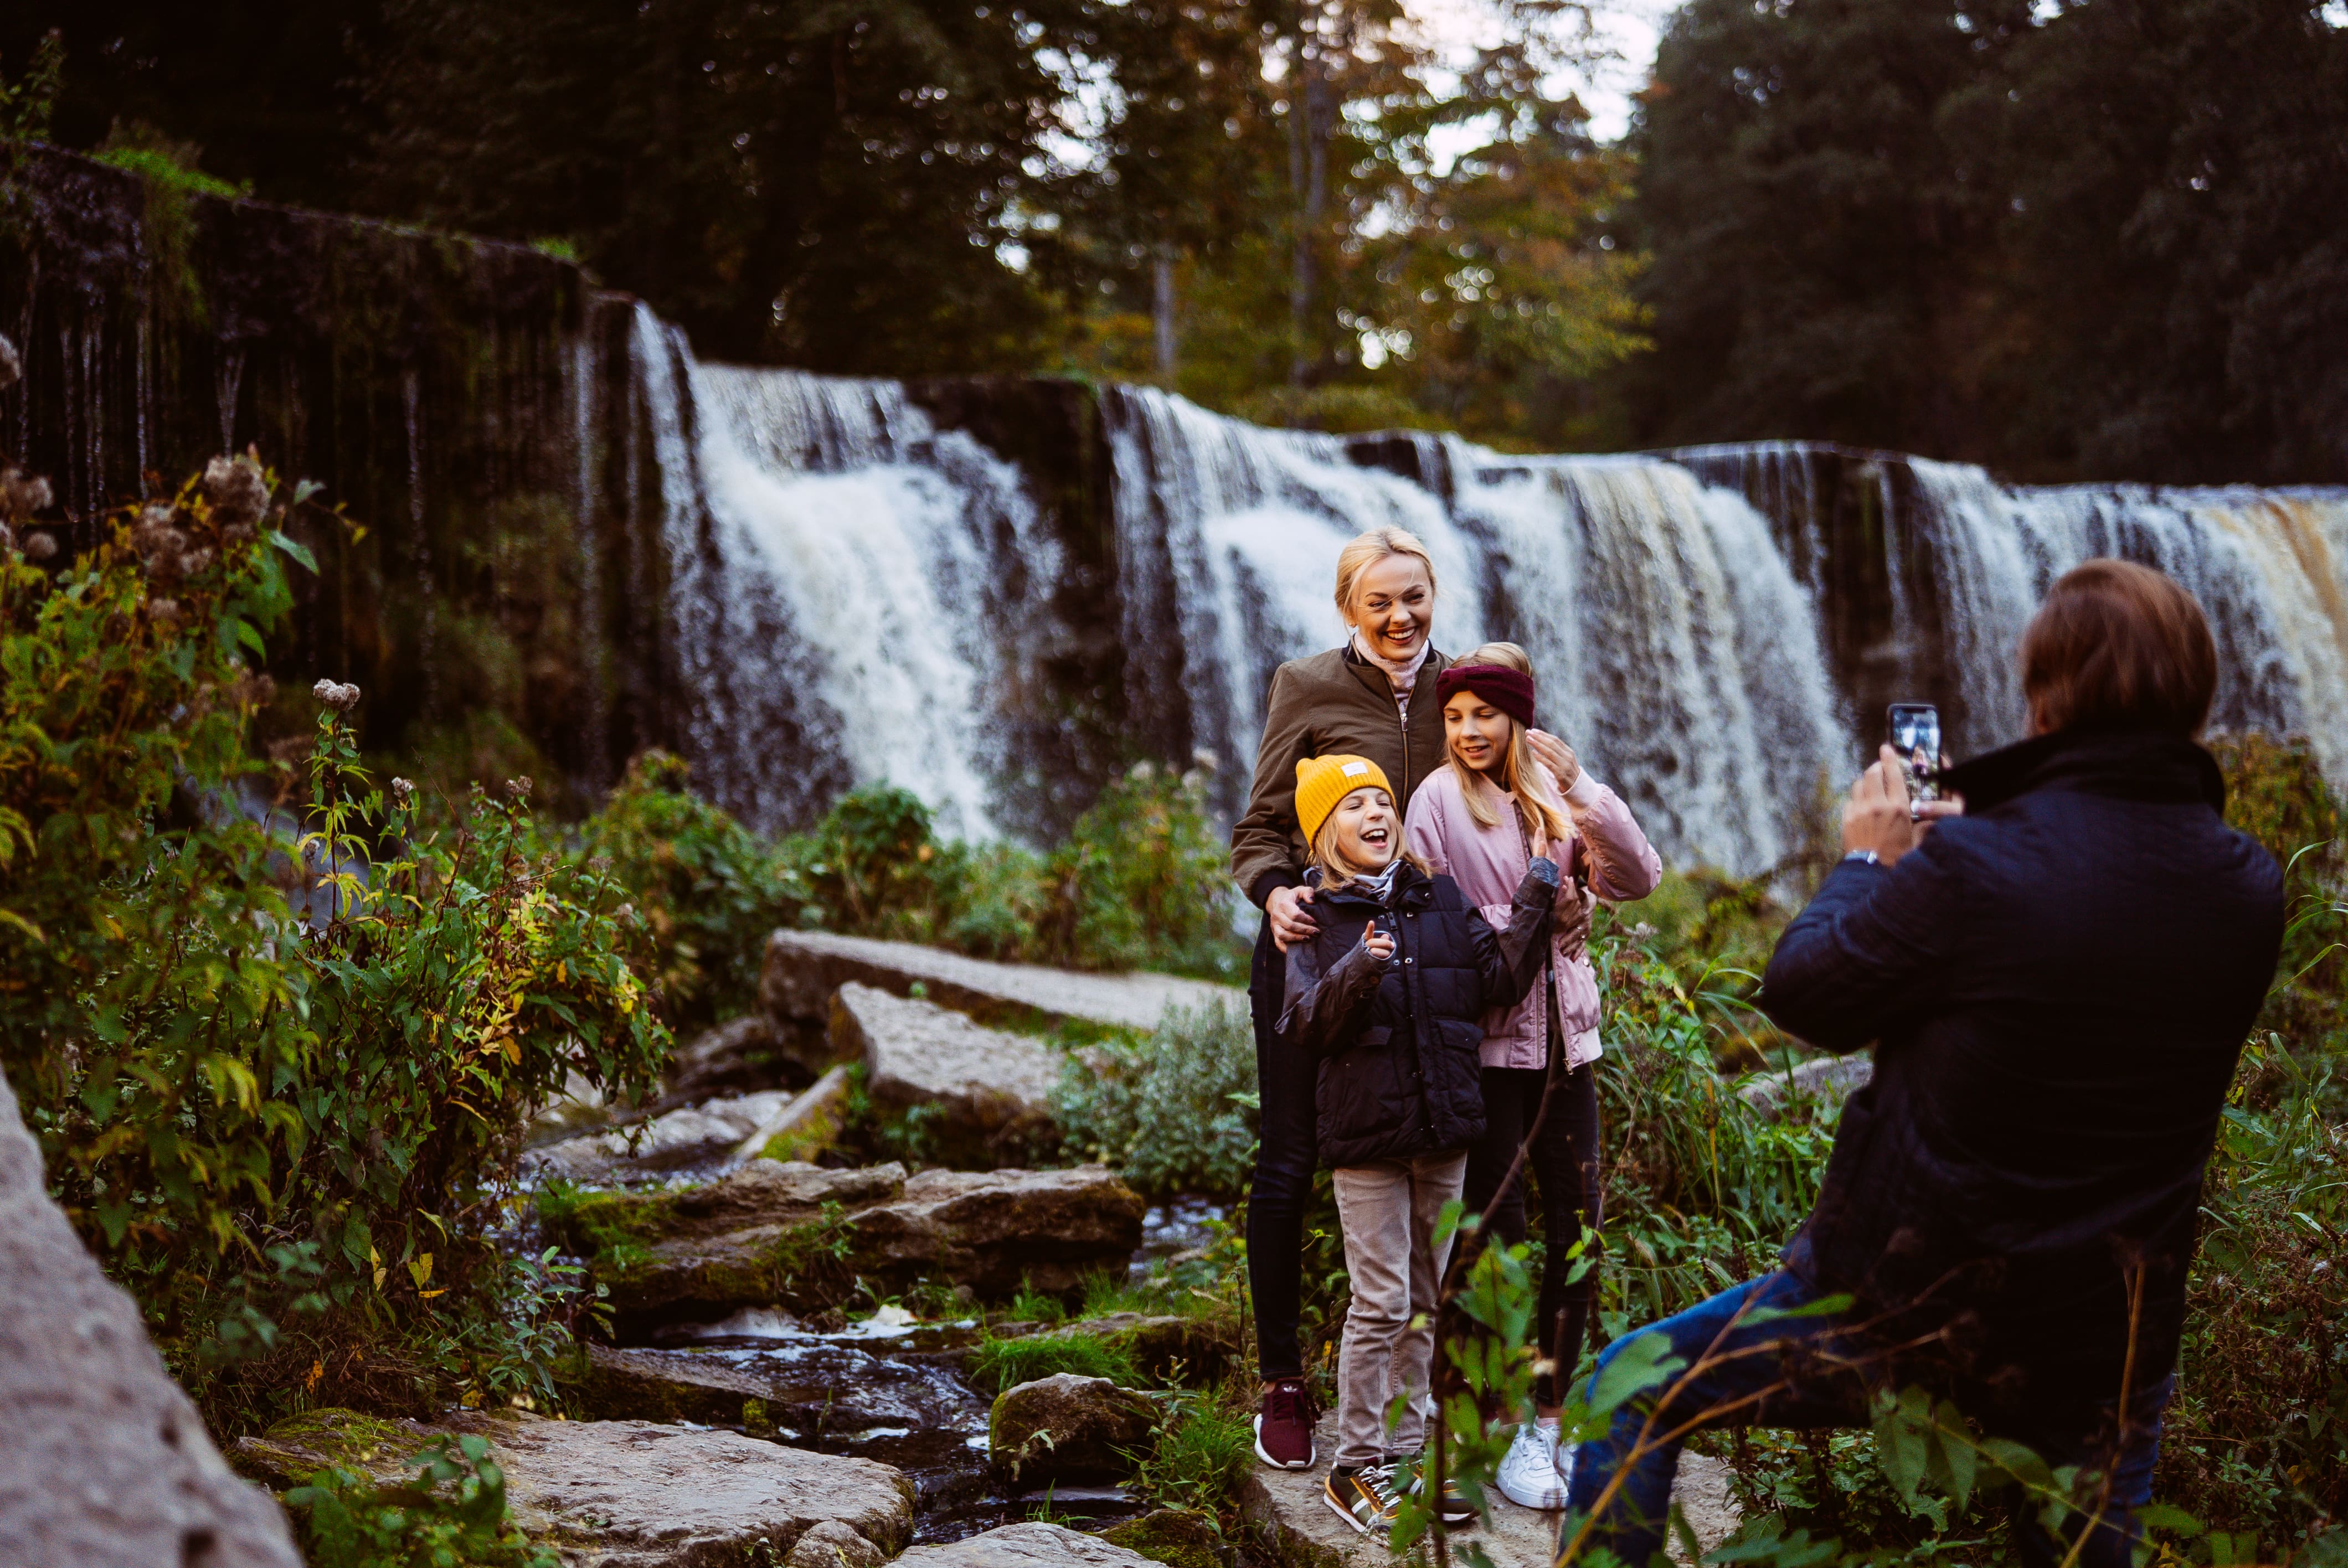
x: 2269, y: 566
x: 846, y: 608
x: 856, y: 594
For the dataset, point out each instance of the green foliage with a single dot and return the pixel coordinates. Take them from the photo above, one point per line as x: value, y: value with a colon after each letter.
x: 283, y: 1126
x: 1175, y: 1113
x: 164, y: 166
x: 27, y: 103
x: 452, y: 1513
x: 1205, y: 1453
x: 996, y: 1364
x: 705, y: 888
x: 2276, y: 793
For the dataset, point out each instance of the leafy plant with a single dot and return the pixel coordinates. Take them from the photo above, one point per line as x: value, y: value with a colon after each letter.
x: 1175, y: 1113
x: 278, y: 1070
x: 452, y: 1511
x: 1205, y: 1453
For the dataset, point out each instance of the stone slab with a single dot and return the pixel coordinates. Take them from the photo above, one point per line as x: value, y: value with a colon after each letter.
x: 1288, y: 1506
x: 677, y: 1140
x: 803, y: 968
x: 988, y: 1092
x: 1032, y: 1545
x: 106, y: 1463
x: 621, y: 1494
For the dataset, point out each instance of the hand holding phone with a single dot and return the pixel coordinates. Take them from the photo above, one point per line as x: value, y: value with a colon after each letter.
x: 1913, y: 730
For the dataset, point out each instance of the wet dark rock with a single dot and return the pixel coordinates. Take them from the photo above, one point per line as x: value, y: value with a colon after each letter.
x: 986, y: 1093
x: 1029, y: 1545
x: 1175, y: 1537
x: 619, y: 1494
x: 787, y: 1233
x: 803, y: 968
x: 106, y: 1463
x: 738, y: 1057
x: 679, y: 1139
x: 1067, y: 1428
x: 1190, y: 1350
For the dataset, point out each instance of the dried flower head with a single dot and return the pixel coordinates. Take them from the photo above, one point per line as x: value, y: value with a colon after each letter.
x: 341, y: 698
x: 518, y: 790
x: 40, y: 546
x: 403, y: 792
x: 23, y: 494
x: 238, y: 491
x: 164, y: 610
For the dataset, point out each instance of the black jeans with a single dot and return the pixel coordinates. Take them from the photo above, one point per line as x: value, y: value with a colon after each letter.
x: 1564, y: 1160
x: 1282, y: 1185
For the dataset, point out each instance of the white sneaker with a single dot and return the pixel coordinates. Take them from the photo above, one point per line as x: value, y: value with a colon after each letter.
x: 1535, y: 1473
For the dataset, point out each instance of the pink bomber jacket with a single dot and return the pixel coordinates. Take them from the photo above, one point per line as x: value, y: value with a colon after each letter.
x: 1607, y: 849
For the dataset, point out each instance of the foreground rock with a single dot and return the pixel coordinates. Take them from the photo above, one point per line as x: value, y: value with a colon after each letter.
x: 795, y: 1392
x: 790, y: 1234
x: 1067, y: 1428
x: 1026, y: 1546
x: 988, y: 1093
x: 106, y: 1463
x: 803, y: 968
x: 1823, y: 1082
x: 1175, y: 1537
x: 621, y: 1494
x: 1288, y: 1507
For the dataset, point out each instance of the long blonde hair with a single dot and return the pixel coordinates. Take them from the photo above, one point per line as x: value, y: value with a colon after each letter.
x: 1520, y: 777
x: 1337, y: 872
x: 1363, y: 551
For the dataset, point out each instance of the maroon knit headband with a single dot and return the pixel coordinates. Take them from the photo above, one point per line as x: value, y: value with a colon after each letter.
x: 1509, y: 691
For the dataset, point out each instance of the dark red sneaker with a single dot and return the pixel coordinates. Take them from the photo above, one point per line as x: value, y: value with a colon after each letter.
x: 1284, y: 1430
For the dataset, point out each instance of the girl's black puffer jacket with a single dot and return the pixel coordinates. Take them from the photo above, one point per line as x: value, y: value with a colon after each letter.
x: 1398, y: 1038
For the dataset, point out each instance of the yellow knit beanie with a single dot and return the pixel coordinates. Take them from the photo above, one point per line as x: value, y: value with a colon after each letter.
x: 1322, y: 781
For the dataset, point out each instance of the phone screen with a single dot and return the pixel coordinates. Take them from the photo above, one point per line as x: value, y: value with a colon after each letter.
x: 1915, y: 734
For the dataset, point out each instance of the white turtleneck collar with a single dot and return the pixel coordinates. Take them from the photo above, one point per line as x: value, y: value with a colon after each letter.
x: 1404, y: 675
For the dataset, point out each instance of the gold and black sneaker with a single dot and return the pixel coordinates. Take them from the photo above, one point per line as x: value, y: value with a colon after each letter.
x: 1363, y: 1498
x: 1454, y: 1508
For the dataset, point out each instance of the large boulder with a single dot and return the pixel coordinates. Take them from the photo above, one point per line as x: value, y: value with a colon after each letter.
x: 1067, y: 1428
x: 1032, y: 1545
x: 106, y: 1463
x: 620, y: 1494
x: 982, y: 1094
x: 790, y: 1234
x: 803, y: 968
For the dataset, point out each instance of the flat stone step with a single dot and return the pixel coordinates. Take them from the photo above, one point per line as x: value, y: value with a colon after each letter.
x: 988, y: 1093
x: 1031, y: 1545
x: 620, y: 1494
x: 803, y: 968
x: 1289, y: 1506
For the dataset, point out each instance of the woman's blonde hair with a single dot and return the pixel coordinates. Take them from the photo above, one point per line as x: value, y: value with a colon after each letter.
x: 1337, y: 871
x: 1520, y: 777
x: 1363, y: 551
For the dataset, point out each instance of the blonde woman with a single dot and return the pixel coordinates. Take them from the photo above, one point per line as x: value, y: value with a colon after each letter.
x: 1374, y: 698
x: 1509, y: 794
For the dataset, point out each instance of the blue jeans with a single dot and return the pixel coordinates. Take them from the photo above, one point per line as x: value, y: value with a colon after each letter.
x: 1730, y: 1394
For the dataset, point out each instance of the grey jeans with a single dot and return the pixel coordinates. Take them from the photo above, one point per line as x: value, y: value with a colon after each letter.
x: 1387, y: 1210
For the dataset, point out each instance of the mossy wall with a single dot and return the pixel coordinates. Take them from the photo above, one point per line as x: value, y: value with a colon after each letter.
x: 469, y: 405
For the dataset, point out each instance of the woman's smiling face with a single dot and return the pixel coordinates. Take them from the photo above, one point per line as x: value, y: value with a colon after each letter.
x: 1393, y: 601
x: 1476, y: 731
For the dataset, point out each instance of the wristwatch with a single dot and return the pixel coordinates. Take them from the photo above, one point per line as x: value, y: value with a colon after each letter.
x: 1869, y: 855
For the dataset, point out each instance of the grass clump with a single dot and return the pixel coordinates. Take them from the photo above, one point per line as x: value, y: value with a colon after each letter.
x: 996, y: 1364
x: 1203, y: 1457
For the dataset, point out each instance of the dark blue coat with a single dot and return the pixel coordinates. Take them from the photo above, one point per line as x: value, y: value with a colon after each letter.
x: 1399, y: 1041
x: 2056, y: 985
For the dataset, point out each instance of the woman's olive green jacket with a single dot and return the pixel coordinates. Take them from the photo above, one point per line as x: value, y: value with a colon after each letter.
x: 1330, y: 704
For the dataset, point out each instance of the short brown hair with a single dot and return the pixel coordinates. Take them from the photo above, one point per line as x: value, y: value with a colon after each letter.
x: 2119, y: 646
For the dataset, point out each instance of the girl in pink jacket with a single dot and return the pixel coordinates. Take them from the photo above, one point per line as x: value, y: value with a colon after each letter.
x: 1510, y: 792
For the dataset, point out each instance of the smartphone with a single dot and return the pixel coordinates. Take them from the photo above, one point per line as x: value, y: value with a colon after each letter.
x: 1914, y: 729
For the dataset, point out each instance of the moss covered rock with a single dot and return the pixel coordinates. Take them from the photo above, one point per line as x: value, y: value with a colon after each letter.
x: 1065, y: 1427
x: 1175, y: 1537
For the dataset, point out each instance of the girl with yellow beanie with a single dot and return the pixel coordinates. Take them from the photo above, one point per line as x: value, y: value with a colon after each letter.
x: 1386, y: 996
